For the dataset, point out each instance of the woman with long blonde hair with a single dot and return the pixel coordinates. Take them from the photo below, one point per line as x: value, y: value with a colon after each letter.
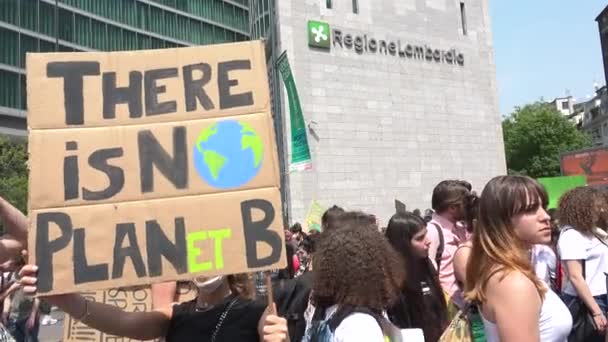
x: 516, y: 306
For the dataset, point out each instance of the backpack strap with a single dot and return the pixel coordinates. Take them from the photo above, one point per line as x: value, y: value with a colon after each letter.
x: 559, y: 274
x: 441, y: 247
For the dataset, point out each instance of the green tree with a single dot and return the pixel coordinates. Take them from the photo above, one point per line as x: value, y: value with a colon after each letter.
x: 13, y: 173
x: 535, y: 135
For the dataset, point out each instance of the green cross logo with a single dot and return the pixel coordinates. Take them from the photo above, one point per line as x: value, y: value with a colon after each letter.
x: 318, y: 34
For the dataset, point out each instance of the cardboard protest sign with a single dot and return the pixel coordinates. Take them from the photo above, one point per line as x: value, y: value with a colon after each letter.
x: 313, y: 218
x: 557, y: 186
x: 154, y: 165
x: 132, y: 299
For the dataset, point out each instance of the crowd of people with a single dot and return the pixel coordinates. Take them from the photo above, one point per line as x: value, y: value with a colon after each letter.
x: 530, y: 275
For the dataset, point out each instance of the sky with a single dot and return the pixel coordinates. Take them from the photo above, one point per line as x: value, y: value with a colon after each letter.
x: 545, y: 48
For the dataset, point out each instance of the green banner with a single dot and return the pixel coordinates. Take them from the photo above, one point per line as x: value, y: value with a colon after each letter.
x: 300, y: 152
x: 557, y: 186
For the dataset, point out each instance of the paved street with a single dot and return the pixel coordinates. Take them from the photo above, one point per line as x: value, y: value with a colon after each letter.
x: 52, y: 333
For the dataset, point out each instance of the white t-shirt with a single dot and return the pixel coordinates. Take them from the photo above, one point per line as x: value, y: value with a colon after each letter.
x: 573, y: 245
x: 544, y: 262
x: 358, y: 327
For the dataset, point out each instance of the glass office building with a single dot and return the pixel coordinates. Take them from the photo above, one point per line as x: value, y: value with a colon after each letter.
x: 108, y: 25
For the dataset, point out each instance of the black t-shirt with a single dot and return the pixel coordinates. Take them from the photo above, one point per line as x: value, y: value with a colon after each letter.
x: 240, y: 324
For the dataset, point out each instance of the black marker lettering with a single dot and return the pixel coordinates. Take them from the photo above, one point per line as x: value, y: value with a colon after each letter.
x: 228, y: 100
x: 83, y: 272
x: 257, y: 231
x: 152, y: 153
x: 195, y: 89
x: 113, y: 95
x: 72, y: 74
x: 152, y: 90
x: 99, y: 160
x: 127, y: 230
x: 70, y: 173
x: 158, y: 245
x: 45, y: 248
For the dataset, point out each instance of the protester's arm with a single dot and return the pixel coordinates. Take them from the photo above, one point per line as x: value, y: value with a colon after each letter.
x: 574, y: 270
x: 516, y: 304
x: 15, y: 222
x: 113, y: 320
x: 573, y: 252
x: 6, y: 309
x: 10, y: 247
x: 103, y: 317
x: 7, y: 292
x: 31, y: 320
x: 461, y: 259
x: 7, y: 297
x: 163, y: 294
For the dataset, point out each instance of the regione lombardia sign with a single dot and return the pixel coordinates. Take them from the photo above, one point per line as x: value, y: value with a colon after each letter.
x: 322, y: 37
x: 151, y: 165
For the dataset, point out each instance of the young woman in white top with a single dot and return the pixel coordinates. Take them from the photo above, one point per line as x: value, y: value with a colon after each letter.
x: 581, y: 211
x: 515, y: 304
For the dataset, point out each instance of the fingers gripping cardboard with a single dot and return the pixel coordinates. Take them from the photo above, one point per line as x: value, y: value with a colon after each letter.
x: 148, y: 166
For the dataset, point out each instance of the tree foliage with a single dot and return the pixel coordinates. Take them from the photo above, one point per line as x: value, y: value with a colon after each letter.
x: 535, y: 136
x: 13, y: 173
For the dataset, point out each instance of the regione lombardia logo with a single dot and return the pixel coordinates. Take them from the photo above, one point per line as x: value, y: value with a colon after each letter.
x: 318, y: 34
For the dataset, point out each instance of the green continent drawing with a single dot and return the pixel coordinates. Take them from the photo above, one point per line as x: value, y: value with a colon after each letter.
x: 215, y: 162
x: 228, y: 154
x: 249, y: 139
x: 205, y: 135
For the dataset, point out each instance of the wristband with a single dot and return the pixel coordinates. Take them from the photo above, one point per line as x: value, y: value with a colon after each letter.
x: 597, y: 314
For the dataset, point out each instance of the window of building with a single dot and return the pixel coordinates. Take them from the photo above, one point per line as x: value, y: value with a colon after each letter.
x: 594, y: 113
x: 463, y: 18
x: 355, y: 6
x: 565, y: 105
x: 328, y: 4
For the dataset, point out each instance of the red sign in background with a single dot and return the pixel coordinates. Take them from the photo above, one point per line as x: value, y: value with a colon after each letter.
x: 592, y: 163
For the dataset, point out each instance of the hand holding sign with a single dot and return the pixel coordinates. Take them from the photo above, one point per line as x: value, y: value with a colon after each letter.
x: 273, y: 328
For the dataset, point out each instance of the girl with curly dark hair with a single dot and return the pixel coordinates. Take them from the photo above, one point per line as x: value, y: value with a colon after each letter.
x: 357, y: 275
x: 422, y: 303
x: 583, y: 251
